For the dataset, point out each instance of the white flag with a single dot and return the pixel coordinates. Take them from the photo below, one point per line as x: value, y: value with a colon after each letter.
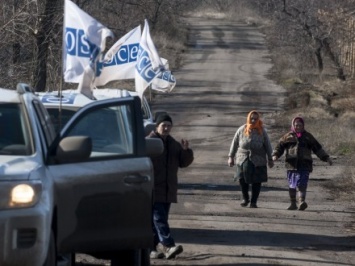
x: 165, y: 81
x: 83, y: 41
x: 86, y: 84
x: 165, y: 63
x: 120, y: 60
x: 149, y: 64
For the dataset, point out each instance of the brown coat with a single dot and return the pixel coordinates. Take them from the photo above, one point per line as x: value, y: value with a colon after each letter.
x: 166, y: 168
x: 298, y: 151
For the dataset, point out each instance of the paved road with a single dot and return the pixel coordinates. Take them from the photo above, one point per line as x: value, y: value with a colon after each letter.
x: 222, y: 79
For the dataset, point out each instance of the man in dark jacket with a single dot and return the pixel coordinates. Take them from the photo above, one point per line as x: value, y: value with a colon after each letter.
x: 166, y: 167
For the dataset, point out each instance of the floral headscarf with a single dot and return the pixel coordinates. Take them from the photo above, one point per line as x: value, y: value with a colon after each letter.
x: 299, y: 134
x: 249, y: 126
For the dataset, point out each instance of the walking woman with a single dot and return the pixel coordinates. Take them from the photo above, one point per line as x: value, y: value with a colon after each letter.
x: 298, y: 145
x: 251, y: 151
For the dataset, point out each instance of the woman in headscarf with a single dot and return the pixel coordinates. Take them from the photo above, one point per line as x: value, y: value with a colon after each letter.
x: 251, y: 151
x: 298, y: 145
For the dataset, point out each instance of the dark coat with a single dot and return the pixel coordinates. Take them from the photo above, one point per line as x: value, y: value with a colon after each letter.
x: 166, y: 168
x: 298, y: 151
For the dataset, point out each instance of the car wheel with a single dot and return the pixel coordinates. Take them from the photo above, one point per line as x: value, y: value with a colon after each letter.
x: 139, y: 257
x: 51, y: 258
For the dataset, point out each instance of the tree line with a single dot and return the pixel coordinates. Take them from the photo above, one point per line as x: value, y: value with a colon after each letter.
x: 316, y: 36
x: 31, y: 33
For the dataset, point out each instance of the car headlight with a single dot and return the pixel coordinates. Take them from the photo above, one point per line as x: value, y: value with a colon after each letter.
x: 22, y: 194
x: 19, y: 194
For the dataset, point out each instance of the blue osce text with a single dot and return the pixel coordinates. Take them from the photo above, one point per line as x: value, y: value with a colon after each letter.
x: 77, y: 44
x: 144, y: 66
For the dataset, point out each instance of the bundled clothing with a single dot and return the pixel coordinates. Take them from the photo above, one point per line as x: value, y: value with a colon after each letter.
x: 255, y: 146
x: 166, y: 168
x: 252, y: 151
x: 298, y: 151
x: 298, y: 145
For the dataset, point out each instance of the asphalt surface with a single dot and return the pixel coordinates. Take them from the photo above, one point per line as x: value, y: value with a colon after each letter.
x: 224, y: 77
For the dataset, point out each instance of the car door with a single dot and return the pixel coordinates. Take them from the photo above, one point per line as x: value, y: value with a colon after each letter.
x: 104, y: 202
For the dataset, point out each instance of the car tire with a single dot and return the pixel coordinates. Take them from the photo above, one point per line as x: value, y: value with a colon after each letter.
x: 139, y: 257
x: 51, y: 258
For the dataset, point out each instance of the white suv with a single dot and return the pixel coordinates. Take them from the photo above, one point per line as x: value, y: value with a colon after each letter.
x: 87, y: 189
x: 69, y: 101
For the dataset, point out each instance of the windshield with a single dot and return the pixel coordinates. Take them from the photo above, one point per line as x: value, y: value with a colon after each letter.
x: 14, y: 131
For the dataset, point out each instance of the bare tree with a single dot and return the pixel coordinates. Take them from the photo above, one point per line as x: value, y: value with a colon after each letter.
x: 31, y: 31
x: 308, y: 29
x: 15, y: 32
x: 319, y: 35
x: 43, y: 35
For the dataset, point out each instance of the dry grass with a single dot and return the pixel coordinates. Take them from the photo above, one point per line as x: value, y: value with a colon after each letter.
x: 171, y: 50
x: 345, y: 103
x: 326, y: 114
x: 335, y: 136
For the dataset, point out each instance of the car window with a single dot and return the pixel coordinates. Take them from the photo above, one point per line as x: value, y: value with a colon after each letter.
x: 60, y: 117
x: 145, y: 109
x: 110, y: 129
x: 45, y: 122
x: 14, y: 131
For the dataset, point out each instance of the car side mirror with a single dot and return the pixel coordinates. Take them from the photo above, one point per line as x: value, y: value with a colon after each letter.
x: 154, y: 147
x: 74, y: 149
x: 149, y: 127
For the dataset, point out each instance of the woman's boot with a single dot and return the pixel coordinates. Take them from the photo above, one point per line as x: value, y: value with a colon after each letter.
x: 245, y: 191
x: 255, y: 191
x: 293, y: 206
x: 302, y: 199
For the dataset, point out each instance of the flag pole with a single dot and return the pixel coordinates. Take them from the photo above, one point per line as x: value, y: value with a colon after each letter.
x: 61, y: 71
